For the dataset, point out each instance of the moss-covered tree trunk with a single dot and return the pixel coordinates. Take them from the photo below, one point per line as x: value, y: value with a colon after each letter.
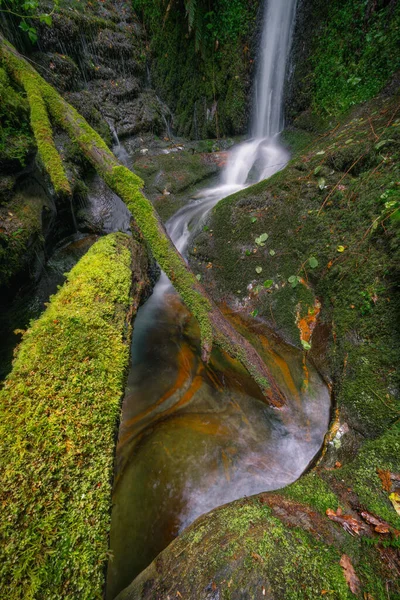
x: 44, y: 101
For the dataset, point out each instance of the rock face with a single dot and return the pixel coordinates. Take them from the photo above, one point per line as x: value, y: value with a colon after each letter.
x: 97, y: 58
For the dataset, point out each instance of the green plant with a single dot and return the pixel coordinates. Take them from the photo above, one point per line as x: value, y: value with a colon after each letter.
x: 27, y: 11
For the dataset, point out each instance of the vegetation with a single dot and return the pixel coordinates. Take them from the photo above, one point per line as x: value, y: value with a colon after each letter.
x: 208, y: 93
x: 27, y: 12
x: 60, y: 408
x: 15, y: 136
x: 356, y: 52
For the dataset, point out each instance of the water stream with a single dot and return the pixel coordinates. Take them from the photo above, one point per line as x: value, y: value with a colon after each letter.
x: 193, y: 437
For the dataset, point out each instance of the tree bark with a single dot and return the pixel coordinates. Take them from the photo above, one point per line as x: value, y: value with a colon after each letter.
x: 214, y: 327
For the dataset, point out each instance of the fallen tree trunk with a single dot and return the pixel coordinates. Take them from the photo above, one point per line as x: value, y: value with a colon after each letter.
x: 214, y: 327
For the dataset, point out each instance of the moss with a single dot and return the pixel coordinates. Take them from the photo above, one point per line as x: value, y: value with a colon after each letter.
x: 354, y: 52
x: 15, y: 137
x: 39, y: 121
x: 20, y: 235
x: 60, y: 407
x: 244, y: 548
x: 209, y: 92
x: 362, y: 476
x: 43, y: 133
x: 312, y: 490
x: 128, y: 185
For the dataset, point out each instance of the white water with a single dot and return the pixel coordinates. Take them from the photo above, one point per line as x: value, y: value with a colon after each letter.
x: 262, y: 155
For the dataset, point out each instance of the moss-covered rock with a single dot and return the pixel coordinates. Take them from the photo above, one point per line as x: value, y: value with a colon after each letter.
x: 59, y: 414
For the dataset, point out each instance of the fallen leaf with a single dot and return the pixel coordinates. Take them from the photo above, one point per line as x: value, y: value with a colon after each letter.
x: 349, y: 523
x: 395, y: 500
x: 349, y: 573
x: 379, y: 525
x: 340, y: 248
x: 386, y: 480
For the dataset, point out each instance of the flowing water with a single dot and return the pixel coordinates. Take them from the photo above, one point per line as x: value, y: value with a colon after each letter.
x: 196, y: 436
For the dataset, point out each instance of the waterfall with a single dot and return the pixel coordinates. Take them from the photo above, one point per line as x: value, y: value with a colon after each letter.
x: 262, y: 156
x: 275, y: 48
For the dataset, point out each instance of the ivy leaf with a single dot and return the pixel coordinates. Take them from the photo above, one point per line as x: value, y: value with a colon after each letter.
x: 312, y: 261
x: 258, y: 270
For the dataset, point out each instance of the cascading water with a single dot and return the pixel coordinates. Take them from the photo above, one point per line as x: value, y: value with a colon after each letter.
x: 196, y: 436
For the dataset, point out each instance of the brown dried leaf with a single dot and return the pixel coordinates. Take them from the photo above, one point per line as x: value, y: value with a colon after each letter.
x: 385, y: 478
x: 349, y: 523
x: 379, y: 525
x: 350, y: 575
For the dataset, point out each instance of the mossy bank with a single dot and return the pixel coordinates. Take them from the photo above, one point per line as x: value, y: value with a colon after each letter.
x: 60, y: 409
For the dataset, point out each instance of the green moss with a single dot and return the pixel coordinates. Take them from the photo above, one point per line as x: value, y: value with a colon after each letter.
x: 128, y: 185
x: 312, y: 490
x: 354, y: 54
x: 20, y: 234
x: 43, y: 133
x: 59, y: 408
x: 362, y: 475
x: 208, y: 93
x: 15, y: 136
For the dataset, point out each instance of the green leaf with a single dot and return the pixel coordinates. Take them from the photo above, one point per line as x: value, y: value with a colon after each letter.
x: 317, y: 170
x: 292, y: 278
x: 46, y: 19
x: 380, y: 144
x: 260, y: 241
x: 32, y: 35
x: 305, y: 345
x: 321, y: 183
x: 313, y: 262
x: 272, y: 252
x: 321, y: 152
x: 340, y: 248
x: 268, y: 283
x: 198, y: 277
x: 254, y: 219
x: 24, y: 26
x: 258, y: 270
x: 254, y: 313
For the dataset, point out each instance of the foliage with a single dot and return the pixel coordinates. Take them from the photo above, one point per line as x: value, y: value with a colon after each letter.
x: 356, y: 52
x: 208, y: 93
x: 27, y: 11
x: 59, y: 411
x: 15, y: 138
